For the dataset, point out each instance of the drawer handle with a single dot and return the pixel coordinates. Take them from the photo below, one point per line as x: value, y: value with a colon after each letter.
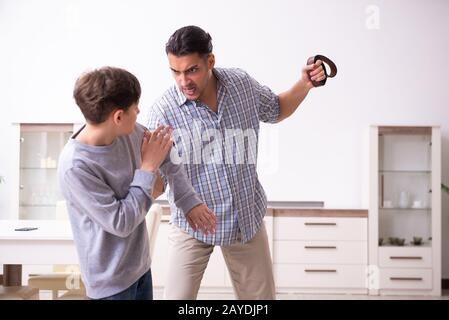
x: 405, y: 279
x: 320, y: 247
x: 406, y: 258
x: 321, y: 270
x: 320, y: 223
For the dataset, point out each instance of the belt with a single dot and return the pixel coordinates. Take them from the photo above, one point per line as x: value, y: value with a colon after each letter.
x: 331, y: 65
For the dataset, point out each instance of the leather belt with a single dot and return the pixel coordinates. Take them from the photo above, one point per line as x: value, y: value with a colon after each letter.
x: 331, y: 65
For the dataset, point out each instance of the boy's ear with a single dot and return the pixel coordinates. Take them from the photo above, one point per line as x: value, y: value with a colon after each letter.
x: 117, y: 116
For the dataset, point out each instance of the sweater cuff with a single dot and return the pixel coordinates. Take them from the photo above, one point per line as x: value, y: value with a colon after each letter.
x: 188, y: 203
x: 144, y: 180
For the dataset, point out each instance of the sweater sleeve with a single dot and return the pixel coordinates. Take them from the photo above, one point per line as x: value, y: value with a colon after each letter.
x: 97, y: 200
x: 184, y: 194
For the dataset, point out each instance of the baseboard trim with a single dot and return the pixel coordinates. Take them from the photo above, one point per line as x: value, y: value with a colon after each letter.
x: 445, y: 283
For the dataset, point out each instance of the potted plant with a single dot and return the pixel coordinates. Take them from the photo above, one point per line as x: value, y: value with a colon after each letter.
x: 445, y: 188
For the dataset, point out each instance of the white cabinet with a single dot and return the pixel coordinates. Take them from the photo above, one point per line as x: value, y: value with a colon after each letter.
x: 38, y: 150
x: 405, y: 210
x: 320, y: 254
x: 310, y: 254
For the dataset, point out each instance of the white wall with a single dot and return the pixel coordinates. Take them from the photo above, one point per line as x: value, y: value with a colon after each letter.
x: 392, y: 72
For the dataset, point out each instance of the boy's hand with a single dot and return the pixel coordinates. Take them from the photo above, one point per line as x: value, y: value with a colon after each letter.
x: 201, y: 217
x: 155, y: 147
x: 158, y: 188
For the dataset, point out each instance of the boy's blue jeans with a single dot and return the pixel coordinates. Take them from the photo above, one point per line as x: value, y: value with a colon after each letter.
x: 142, y: 289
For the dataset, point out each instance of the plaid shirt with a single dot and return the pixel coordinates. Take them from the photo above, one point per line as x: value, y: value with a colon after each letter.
x: 221, y: 169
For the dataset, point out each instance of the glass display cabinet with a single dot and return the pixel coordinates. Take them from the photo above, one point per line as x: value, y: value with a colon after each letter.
x: 405, y: 210
x: 40, y: 147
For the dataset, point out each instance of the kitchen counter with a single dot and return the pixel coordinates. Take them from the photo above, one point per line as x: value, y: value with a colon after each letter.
x: 297, y: 209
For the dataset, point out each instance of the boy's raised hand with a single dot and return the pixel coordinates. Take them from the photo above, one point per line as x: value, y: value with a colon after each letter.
x: 155, y: 147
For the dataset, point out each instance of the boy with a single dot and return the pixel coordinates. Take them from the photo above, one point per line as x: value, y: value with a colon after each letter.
x: 107, y: 172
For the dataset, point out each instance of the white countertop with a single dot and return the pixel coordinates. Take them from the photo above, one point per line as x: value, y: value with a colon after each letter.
x: 46, y: 230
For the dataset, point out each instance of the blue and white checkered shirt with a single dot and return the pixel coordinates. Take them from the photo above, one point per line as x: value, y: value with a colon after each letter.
x: 219, y: 152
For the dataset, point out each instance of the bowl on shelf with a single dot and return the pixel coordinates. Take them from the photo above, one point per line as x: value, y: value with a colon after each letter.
x: 391, y: 240
x: 396, y: 241
x: 417, y: 241
x: 388, y: 204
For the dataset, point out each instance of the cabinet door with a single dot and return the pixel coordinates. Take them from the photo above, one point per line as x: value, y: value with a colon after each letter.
x: 159, y: 263
x: 310, y: 228
x: 405, y: 207
x: 407, y: 257
x: 409, y: 279
x: 405, y: 186
x: 320, y: 276
x: 320, y: 252
x: 40, y: 147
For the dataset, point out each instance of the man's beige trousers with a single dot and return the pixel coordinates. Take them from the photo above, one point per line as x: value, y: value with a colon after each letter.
x: 249, y: 265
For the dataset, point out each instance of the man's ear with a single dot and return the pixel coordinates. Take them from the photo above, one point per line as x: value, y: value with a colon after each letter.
x: 210, y: 61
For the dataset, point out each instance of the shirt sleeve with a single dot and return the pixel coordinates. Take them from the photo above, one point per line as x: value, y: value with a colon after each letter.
x: 184, y: 195
x: 268, y: 107
x: 97, y: 200
x: 155, y: 118
x: 173, y: 172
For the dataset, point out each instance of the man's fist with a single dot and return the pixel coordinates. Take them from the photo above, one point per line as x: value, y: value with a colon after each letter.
x: 315, y: 71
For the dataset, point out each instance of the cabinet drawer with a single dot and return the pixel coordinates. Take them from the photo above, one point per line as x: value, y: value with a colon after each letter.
x: 300, y: 228
x: 405, y: 257
x: 319, y: 276
x: 419, y: 279
x: 320, y: 252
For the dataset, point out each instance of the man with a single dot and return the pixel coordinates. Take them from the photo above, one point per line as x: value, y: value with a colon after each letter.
x: 107, y: 171
x: 206, y: 107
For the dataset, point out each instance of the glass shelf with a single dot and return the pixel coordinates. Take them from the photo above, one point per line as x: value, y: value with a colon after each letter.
x: 37, y: 168
x: 406, y: 209
x: 406, y: 171
x: 424, y: 245
x: 38, y: 205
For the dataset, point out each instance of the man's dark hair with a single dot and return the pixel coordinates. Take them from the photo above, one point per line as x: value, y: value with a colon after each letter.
x: 187, y: 40
x: 99, y: 92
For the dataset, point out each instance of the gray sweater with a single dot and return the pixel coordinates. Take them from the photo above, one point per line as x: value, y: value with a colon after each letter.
x: 107, y: 198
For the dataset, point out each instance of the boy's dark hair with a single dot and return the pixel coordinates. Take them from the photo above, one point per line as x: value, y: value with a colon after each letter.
x: 187, y: 40
x: 99, y: 92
